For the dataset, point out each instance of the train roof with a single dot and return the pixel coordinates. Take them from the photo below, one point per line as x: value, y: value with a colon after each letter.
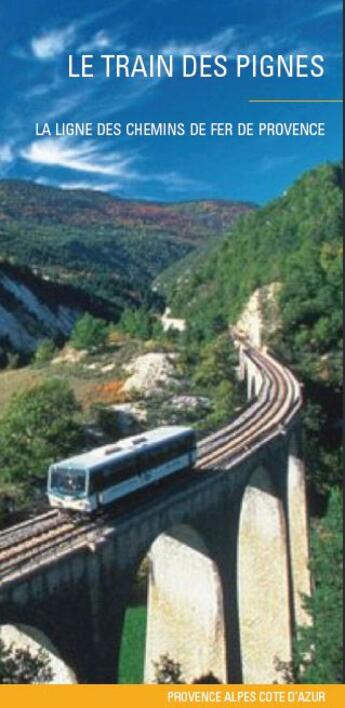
x: 123, y: 447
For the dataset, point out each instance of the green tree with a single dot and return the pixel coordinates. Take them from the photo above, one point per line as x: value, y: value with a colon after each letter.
x: 323, y: 457
x: 216, y: 362
x: 318, y: 650
x: 38, y: 426
x: 141, y: 323
x: 223, y: 400
x: 89, y: 333
x: 45, y: 351
x: 13, y: 361
x: 311, y: 306
x: 21, y: 666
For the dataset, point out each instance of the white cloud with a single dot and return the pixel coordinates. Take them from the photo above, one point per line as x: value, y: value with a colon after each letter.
x: 43, y: 89
x: 19, y: 52
x: 63, y: 105
x: 86, y: 157
x: 332, y: 9
x: 269, y: 163
x: 100, y: 40
x: 229, y: 41
x: 6, y: 153
x: 97, y: 169
x: 50, y: 44
x: 221, y: 42
x: 44, y: 181
x: 172, y: 181
x: 38, y: 91
x: 101, y: 187
x: 103, y: 39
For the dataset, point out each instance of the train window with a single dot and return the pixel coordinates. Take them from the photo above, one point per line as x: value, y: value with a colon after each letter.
x: 68, y: 481
x: 126, y: 470
x: 142, y: 461
x: 108, y: 469
x: 155, y: 456
x: 114, y: 472
x: 175, y: 447
x: 118, y: 471
x: 148, y: 459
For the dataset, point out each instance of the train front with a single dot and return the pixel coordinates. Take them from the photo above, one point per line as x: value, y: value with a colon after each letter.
x: 68, y: 488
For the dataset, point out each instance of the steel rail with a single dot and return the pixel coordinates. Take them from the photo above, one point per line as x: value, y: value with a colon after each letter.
x: 260, y: 422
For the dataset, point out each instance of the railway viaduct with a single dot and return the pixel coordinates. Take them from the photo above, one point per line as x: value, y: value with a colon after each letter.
x: 227, y: 552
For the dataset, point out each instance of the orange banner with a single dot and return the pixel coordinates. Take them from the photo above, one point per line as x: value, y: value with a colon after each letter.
x: 171, y: 696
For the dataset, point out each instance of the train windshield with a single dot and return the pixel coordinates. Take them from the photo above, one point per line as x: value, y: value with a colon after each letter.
x: 67, y: 481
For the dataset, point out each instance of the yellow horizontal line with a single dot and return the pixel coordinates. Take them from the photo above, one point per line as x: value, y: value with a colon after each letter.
x: 296, y: 100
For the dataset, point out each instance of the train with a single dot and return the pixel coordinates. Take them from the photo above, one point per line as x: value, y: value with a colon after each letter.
x: 93, y: 480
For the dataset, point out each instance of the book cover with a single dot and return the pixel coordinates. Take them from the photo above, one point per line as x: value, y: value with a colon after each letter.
x: 170, y: 352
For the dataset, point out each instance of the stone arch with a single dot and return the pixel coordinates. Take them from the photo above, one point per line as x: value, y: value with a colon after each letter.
x: 263, y: 587
x: 185, y: 614
x: 298, y: 531
x: 23, y: 636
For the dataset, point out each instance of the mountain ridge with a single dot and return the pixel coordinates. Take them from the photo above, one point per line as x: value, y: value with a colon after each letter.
x: 110, y: 206
x: 111, y: 247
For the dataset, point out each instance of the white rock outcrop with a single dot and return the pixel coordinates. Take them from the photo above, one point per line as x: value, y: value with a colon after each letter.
x: 169, y: 322
x: 68, y: 355
x: 148, y: 373
x: 261, y: 314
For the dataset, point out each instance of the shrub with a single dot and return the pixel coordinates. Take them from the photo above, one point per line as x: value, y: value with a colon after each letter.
x: 21, y: 666
x: 141, y: 323
x: 167, y: 670
x: 45, y: 352
x: 38, y: 426
x: 89, y: 333
x: 13, y: 361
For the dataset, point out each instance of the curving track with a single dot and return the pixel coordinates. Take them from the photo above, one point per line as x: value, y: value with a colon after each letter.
x: 33, y: 542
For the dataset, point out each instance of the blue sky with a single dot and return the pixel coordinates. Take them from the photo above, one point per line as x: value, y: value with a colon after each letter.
x: 37, y: 36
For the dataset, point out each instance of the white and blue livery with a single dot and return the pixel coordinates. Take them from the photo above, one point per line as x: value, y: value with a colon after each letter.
x: 94, y: 479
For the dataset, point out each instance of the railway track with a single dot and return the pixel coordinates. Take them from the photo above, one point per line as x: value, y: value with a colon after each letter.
x: 270, y: 413
x: 28, y: 529
x: 62, y: 536
x: 29, y: 543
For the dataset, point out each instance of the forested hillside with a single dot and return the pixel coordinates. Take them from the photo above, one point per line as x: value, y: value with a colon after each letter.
x: 303, y: 226
x: 111, y: 247
x: 296, y: 241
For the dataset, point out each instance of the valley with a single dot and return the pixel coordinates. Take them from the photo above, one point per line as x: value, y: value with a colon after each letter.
x: 111, y: 248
